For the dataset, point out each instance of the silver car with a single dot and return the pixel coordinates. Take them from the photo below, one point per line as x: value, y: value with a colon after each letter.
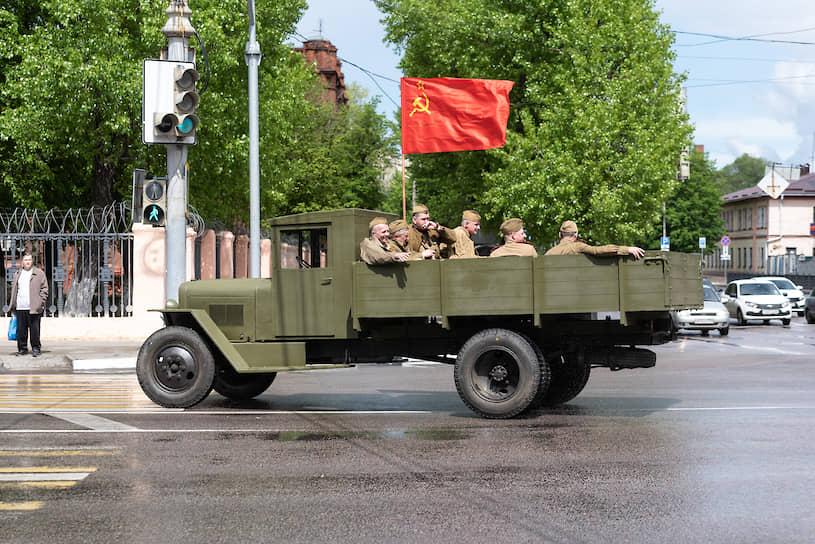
x: 794, y: 293
x: 713, y: 316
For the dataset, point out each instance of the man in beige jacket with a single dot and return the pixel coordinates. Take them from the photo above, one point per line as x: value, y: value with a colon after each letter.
x: 570, y: 245
x: 514, y: 240
x: 29, y: 292
x: 470, y: 225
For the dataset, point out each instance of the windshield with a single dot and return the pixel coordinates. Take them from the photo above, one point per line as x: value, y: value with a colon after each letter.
x: 710, y: 294
x: 783, y: 283
x: 759, y: 288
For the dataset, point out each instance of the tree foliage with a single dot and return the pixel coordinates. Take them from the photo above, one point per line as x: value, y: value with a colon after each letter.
x: 746, y: 171
x: 595, y: 127
x: 70, y: 126
x: 694, y: 209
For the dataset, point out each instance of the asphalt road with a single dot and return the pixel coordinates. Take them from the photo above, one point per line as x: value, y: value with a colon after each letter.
x: 713, y: 445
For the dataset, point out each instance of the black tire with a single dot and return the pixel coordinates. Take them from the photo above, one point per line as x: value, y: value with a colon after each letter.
x: 499, y: 373
x: 724, y: 331
x: 786, y: 322
x: 175, y: 367
x: 740, y: 317
x: 705, y: 332
x: 236, y: 386
x: 569, y: 378
x: 810, y: 318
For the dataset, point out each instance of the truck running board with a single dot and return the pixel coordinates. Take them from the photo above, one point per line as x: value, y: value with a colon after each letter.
x: 617, y: 358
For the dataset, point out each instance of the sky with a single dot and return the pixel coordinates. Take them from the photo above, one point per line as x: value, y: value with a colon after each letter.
x: 744, y: 96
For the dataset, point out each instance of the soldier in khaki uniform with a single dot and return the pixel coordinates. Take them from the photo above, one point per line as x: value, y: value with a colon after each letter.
x: 570, y: 245
x: 514, y: 240
x: 464, y: 247
x: 424, y: 235
x: 375, y: 249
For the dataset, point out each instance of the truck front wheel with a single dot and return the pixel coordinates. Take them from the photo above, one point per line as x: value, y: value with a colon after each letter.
x: 241, y: 386
x: 175, y: 367
x: 498, y: 373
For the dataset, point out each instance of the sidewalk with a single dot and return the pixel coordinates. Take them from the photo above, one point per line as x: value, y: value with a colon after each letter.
x: 72, y: 355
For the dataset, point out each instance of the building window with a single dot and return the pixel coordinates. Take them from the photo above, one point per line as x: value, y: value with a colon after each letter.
x: 762, y: 217
x: 750, y: 263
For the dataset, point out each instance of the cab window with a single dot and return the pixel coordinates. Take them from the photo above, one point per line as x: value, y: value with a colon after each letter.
x: 304, y: 248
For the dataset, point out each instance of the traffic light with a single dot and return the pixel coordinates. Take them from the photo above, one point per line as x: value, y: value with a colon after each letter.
x: 154, y: 202
x: 170, y: 100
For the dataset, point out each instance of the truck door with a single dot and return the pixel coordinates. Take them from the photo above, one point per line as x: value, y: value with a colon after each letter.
x: 304, y: 283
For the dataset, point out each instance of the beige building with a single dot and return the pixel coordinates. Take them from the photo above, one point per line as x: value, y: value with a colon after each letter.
x: 767, y: 232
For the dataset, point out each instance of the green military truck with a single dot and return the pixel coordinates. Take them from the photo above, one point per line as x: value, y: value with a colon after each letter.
x: 521, y: 332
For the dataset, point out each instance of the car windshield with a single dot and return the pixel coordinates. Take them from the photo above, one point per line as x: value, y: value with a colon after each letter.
x: 759, y: 288
x: 783, y: 283
x: 710, y: 294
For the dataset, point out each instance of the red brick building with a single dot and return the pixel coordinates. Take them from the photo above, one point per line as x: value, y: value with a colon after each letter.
x: 323, y: 55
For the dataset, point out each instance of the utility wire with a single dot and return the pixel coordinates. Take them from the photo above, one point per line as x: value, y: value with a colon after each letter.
x: 737, y: 82
x: 720, y: 38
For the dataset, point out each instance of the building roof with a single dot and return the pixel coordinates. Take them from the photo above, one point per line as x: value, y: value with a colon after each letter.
x: 803, y: 186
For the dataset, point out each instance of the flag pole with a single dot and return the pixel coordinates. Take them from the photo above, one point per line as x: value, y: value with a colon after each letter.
x: 404, y: 202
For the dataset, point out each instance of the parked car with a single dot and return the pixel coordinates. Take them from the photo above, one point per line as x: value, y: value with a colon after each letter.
x: 758, y: 300
x: 713, y: 316
x: 809, y: 309
x: 794, y: 293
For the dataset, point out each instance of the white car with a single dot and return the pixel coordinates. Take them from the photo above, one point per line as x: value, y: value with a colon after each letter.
x: 757, y: 300
x: 794, y: 293
x: 713, y: 316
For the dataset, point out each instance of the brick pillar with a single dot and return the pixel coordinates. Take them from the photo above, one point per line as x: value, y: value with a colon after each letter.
x: 227, y: 239
x: 265, y: 258
x: 149, y: 268
x: 242, y: 256
x: 208, y: 255
x: 190, y: 275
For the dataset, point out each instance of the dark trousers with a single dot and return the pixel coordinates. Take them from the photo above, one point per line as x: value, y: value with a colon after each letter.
x: 28, y: 322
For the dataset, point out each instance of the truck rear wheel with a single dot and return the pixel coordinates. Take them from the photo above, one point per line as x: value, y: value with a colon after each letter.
x: 175, y: 367
x: 569, y: 377
x: 241, y: 386
x: 499, y: 374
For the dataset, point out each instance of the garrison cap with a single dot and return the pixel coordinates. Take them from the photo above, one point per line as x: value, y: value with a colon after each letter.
x: 396, y: 226
x: 471, y: 215
x: 568, y: 226
x: 377, y: 221
x: 420, y: 208
x: 511, y: 226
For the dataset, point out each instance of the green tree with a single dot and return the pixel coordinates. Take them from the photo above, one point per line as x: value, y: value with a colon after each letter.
x: 70, y: 126
x: 693, y: 211
x: 746, y: 171
x: 595, y: 127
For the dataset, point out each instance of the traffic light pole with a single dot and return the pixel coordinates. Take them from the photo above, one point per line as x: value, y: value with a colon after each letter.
x: 177, y: 30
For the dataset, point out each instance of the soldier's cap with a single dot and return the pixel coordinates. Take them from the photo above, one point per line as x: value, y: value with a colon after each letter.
x: 420, y: 208
x: 377, y: 221
x: 568, y: 226
x: 511, y: 226
x: 396, y: 226
x: 471, y: 215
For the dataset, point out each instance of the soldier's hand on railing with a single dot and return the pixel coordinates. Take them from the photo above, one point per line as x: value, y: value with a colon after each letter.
x: 636, y: 252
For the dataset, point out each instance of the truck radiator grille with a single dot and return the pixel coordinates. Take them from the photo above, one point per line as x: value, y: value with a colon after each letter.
x: 226, y: 314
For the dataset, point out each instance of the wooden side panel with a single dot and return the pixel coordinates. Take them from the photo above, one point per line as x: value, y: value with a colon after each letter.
x: 411, y: 289
x: 499, y: 286
x: 576, y: 284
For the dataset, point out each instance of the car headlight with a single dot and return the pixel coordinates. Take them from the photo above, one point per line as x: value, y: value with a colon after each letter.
x: 722, y: 315
x: 750, y: 304
x: 785, y: 306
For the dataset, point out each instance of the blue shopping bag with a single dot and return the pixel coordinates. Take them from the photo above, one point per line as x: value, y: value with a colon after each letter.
x: 12, y: 328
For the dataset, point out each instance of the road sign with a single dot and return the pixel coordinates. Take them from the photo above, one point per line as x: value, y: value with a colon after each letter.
x: 725, y: 241
x: 665, y: 243
x: 725, y: 253
x: 702, y: 242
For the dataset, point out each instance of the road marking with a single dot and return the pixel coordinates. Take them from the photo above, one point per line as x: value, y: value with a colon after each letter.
x: 39, y: 477
x: 91, y: 421
x: 20, y: 506
x: 57, y: 452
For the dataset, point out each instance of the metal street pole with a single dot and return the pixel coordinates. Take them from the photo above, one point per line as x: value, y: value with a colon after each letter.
x: 178, y: 29
x: 252, y: 56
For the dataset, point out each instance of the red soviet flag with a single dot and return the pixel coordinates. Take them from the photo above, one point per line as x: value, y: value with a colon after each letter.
x: 449, y: 114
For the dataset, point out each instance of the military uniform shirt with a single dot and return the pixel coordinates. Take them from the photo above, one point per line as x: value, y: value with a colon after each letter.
x: 574, y: 247
x: 464, y: 247
x: 372, y: 252
x: 524, y: 249
x: 419, y: 240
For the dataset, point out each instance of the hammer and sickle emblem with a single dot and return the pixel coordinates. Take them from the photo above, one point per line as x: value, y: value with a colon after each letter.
x: 417, y: 102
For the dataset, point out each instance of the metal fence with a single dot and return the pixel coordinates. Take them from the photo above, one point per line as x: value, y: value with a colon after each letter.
x: 87, y: 256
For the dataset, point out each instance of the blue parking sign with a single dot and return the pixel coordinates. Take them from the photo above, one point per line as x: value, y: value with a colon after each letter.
x: 665, y: 243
